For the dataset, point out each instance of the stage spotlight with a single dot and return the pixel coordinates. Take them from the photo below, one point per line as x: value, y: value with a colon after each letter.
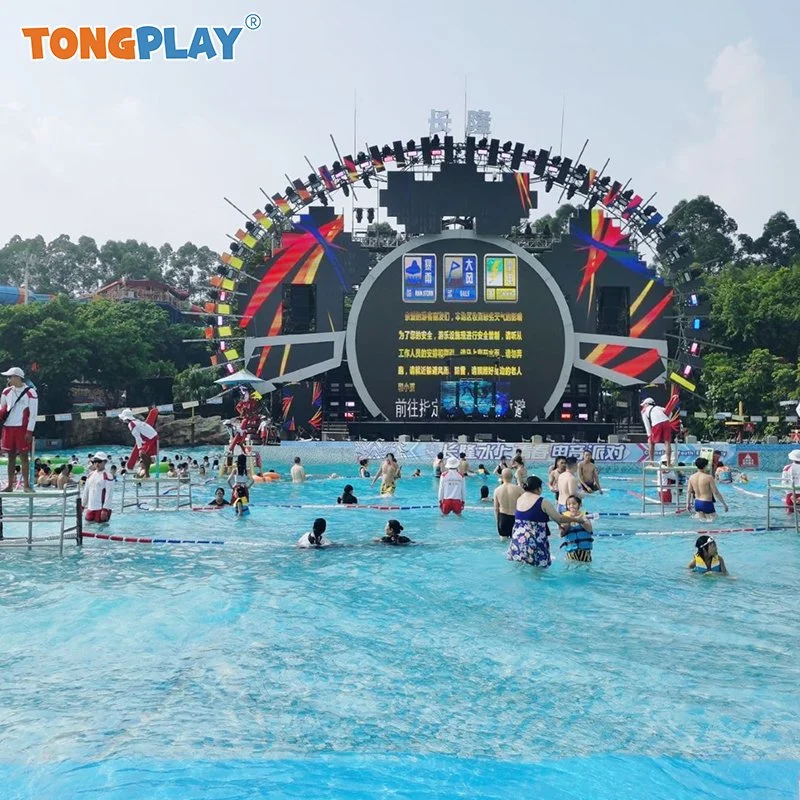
x: 541, y: 162
x: 387, y: 152
x: 563, y: 171
x: 548, y: 185
x: 377, y: 161
x: 313, y: 181
x: 411, y: 147
x: 469, y: 156
x: 507, y: 147
x: 580, y: 170
x: 697, y: 324
x: 345, y: 188
x: 362, y: 158
x: 516, y: 158
x: 690, y: 275
x: 530, y: 156
x: 593, y: 200
x: 605, y: 181
x: 222, y: 270
x: 571, y: 192
x: 494, y: 152
x: 683, y: 381
x: 235, y: 247
x: 399, y: 154
x: 250, y: 227
x: 370, y: 215
x: 695, y: 300
x: 695, y: 349
x: 483, y: 146
x: 436, y: 142
x: 359, y: 214
x: 648, y: 210
x: 337, y: 168
x: 425, y: 143
x: 367, y: 181
x: 291, y: 194
x: 626, y: 196
x: 323, y: 198
x: 555, y: 160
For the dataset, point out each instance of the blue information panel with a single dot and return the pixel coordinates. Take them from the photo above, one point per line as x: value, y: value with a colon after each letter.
x: 419, y: 278
x: 460, y: 278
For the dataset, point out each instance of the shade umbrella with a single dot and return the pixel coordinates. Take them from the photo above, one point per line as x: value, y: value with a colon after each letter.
x: 245, y: 376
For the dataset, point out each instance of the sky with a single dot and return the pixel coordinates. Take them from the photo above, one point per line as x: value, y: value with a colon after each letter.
x: 685, y: 98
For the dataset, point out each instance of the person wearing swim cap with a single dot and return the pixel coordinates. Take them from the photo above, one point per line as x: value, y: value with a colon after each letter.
x: 707, y: 559
x: 392, y: 535
x: 659, y: 428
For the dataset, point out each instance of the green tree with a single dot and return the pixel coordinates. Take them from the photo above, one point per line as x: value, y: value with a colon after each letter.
x: 19, y: 255
x: 129, y: 259
x: 778, y: 245
x: 189, y: 267
x: 194, y: 383
x: 554, y: 224
x: 708, y: 229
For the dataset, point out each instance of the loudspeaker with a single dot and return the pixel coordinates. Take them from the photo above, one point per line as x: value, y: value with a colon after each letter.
x: 613, y: 315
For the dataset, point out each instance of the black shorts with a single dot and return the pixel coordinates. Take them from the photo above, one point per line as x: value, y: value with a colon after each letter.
x: 505, y: 524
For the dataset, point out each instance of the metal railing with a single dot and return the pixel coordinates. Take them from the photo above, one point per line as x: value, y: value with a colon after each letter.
x: 780, y: 487
x: 30, y: 517
x: 166, y: 494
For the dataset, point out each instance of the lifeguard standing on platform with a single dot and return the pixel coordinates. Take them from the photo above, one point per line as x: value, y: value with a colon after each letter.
x: 146, y: 437
x: 659, y: 428
x: 19, y: 405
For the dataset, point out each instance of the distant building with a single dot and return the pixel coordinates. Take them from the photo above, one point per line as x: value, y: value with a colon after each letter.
x: 175, y: 301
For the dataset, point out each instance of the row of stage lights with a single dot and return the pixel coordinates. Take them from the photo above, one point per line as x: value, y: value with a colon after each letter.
x: 346, y: 171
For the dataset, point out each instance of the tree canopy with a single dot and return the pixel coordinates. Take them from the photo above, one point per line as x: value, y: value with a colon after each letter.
x: 78, y: 268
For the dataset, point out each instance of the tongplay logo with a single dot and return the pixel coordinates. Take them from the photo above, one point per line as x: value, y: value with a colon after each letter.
x: 132, y: 44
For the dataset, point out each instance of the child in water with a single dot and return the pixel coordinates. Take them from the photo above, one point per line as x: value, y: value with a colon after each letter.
x: 241, y: 500
x: 707, y: 558
x: 577, y: 536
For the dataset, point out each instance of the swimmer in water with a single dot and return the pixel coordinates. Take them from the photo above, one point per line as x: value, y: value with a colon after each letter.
x: 485, y: 494
x: 241, y: 500
x: 363, y: 471
x: 707, y: 559
x: 388, y: 474
x: 316, y: 536
x: 392, y: 534
x: 577, y: 535
x: 219, y: 500
x: 703, y: 490
x: 347, y: 498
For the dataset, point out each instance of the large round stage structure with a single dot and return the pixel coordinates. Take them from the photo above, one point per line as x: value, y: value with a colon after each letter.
x: 456, y: 311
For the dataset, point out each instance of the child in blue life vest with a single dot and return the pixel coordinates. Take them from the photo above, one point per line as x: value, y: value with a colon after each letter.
x: 577, y: 536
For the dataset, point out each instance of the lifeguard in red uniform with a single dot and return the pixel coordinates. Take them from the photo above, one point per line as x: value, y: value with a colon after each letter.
x: 19, y: 405
x: 146, y: 437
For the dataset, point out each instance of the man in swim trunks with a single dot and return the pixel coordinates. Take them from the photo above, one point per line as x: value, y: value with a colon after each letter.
x: 297, y: 471
x: 587, y: 473
x: 388, y: 474
x: 659, y: 428
x: 703, y: 490
x: 505, y: 503
x: 552, y: 478
x: 568, y: 483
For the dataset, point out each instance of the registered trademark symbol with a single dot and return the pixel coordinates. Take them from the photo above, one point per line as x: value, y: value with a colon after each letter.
x: 252, y: 21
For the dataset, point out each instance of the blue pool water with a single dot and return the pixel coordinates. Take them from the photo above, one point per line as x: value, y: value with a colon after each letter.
x: 254, y: 669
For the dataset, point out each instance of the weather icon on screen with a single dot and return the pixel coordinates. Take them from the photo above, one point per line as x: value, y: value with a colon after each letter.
x: 413, y: 272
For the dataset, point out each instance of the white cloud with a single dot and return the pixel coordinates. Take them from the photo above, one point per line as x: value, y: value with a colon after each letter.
x: 743, y: 155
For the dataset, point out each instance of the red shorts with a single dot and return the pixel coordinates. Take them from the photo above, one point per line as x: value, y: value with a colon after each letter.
x: 149, y: 447
x: 451, y: 505
x: 661, y: 433
x: 100, y: 515
x: 13, y: 440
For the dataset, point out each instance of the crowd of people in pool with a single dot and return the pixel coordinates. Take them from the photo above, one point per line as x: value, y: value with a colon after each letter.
x: 523, y: 512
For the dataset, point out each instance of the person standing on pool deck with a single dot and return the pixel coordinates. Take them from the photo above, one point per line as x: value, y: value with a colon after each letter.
x: 568, y: 483
x: 707, y: 560
x: 659, y: 428
x: 505, y: 503
x: 703, y: 489
x: 297, y: 471
x: 145, y: 436
x: 529, y: 539
x: 19, y: 405
x: 452, y: 494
